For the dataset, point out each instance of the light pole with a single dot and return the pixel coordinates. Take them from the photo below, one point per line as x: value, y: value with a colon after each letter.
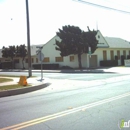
x: 28, y: 40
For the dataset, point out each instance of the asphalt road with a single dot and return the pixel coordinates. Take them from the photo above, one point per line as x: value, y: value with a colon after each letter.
x: 94, y: 108
x: 70, y: 76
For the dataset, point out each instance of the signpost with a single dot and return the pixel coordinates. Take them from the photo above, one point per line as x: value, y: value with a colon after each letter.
x: 89, y: 52
x: 40, y: 56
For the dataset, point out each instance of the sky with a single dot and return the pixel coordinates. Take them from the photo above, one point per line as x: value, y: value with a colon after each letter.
x: 47, y: 16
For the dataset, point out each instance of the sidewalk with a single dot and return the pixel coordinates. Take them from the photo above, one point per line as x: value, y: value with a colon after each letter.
x: 65, y: 84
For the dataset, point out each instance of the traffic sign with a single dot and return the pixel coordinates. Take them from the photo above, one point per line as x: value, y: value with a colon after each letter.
x: 40, y: 56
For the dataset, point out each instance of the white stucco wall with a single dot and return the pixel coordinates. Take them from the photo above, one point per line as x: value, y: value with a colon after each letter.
x: 99, y: 52
x: 101, y: 40
x: 20, y: 65
x: 50, y: 51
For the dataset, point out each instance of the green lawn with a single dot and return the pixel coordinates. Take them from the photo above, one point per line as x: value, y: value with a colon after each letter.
x: 13, y: 86
x: 2, y: 80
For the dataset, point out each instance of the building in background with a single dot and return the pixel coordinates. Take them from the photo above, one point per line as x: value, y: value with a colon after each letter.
x: 109, y: 49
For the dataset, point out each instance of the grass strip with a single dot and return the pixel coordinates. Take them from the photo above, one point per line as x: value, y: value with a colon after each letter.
x: 15, y: 76
x: 2, y: 80
x: 13, y: 86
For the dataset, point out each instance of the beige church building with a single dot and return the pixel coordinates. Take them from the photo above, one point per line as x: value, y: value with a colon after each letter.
x: 108, y: 49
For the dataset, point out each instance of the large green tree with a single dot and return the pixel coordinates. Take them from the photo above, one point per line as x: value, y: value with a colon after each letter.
x: 15, y: 51
x: 9, y: 52
x: 5, y: 53
x: 75, y: 41
x: 21, y: 51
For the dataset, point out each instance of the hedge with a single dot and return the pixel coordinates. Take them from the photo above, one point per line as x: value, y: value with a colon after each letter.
x: 109, y: 63
x: 6, y: 65
x: 46, y: 66
x: 116, y: 57
x: 128, y: 56
x: 122, y: 59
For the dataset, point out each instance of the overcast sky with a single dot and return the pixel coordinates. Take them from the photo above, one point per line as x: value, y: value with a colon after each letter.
x: 47, y: 16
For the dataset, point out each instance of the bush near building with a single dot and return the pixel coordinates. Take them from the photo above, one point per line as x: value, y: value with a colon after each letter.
x: 46, y: 66
x: 109, y: 63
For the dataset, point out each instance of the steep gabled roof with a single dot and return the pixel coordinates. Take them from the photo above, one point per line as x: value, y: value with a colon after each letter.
x: 102, y: 43
x: 117, y: 42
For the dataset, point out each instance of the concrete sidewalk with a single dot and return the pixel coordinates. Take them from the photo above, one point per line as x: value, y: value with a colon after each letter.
x: 64, y: 84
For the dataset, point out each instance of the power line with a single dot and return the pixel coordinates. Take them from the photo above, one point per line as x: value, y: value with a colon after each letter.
x: 101, y: 6
x: 116, y: 3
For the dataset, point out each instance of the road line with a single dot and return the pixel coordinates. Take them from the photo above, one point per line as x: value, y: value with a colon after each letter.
x: 63, y: 113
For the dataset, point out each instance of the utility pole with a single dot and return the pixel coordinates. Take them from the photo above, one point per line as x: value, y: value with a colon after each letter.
x: 28, y: 40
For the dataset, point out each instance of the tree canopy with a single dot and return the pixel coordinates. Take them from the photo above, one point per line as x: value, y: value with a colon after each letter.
x: 5, y: 52
x: 21, y: 51
x: 76, y: 41
x: 14, y: 51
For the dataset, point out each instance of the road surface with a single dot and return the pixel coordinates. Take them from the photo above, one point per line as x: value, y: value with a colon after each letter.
x: 94, y: 108
x: 70, y: 76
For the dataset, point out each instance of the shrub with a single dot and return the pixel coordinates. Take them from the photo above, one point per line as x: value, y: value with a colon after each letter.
x: 116, y: 57
x: 46, y: 66
x: 66, y: 67
x: 108, y: 63
x: 128, y: 56
x: 122, y: 59
x: 6, y: 65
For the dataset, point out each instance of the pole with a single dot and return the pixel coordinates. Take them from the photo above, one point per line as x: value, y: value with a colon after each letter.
x: 41, y: 65
x: 89, y: 50
x: 28, y: 40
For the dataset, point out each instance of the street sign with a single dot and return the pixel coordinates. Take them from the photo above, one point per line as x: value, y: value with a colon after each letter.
x: 40, y: 56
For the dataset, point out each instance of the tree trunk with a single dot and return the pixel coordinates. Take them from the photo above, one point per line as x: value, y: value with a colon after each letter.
x: 79, y: 60
x: 12, y: 63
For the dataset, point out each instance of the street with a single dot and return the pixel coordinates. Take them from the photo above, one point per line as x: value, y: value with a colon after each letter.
x: 70, y: 76
x: 85, y: 108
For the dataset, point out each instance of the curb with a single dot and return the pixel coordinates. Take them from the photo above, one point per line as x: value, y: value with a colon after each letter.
x: 22, y: 90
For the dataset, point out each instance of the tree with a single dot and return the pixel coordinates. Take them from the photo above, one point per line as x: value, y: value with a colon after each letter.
x: 12, y: 54
x: 75, y: 41
x: 21, y: 51
x: 12, y: 51
x: 9, y: 52
x: 5, y: 53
